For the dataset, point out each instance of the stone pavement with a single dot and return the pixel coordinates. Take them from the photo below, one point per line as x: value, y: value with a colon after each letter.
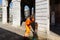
x: 8, y: 35
x: 8, y: 32
x: 20, y: 31
x: 16, y: 30
x: 54, y: 36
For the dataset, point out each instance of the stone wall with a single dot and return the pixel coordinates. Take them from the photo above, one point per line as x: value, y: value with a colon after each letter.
x: 16, y: 12
x: 42, y: 15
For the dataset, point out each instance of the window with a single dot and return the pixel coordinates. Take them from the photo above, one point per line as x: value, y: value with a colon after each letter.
x: 26, y: 11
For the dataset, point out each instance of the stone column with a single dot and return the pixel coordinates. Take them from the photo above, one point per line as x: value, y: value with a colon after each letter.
x: 42, y: 17
x: 4, y: 9
x: 16, y: 12
x: 48, y: 26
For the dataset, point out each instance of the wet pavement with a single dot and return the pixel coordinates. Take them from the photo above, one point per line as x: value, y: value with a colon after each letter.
x: 7, y: 35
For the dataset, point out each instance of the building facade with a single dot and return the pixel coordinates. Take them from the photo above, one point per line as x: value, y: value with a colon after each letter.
x: 42, y: 16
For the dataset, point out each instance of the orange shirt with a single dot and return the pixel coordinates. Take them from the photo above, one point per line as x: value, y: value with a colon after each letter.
x: 28, y: 21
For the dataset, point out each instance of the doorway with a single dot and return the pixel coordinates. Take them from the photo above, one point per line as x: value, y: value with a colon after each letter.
x: 8, y: 11
x: 55, y: 16
x: 30, y: 4
x: 11, y: 13
x: 26, y: 11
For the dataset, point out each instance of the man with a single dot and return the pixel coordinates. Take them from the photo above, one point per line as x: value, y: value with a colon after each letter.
x: 34, y: 26
x: 28, y: 27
